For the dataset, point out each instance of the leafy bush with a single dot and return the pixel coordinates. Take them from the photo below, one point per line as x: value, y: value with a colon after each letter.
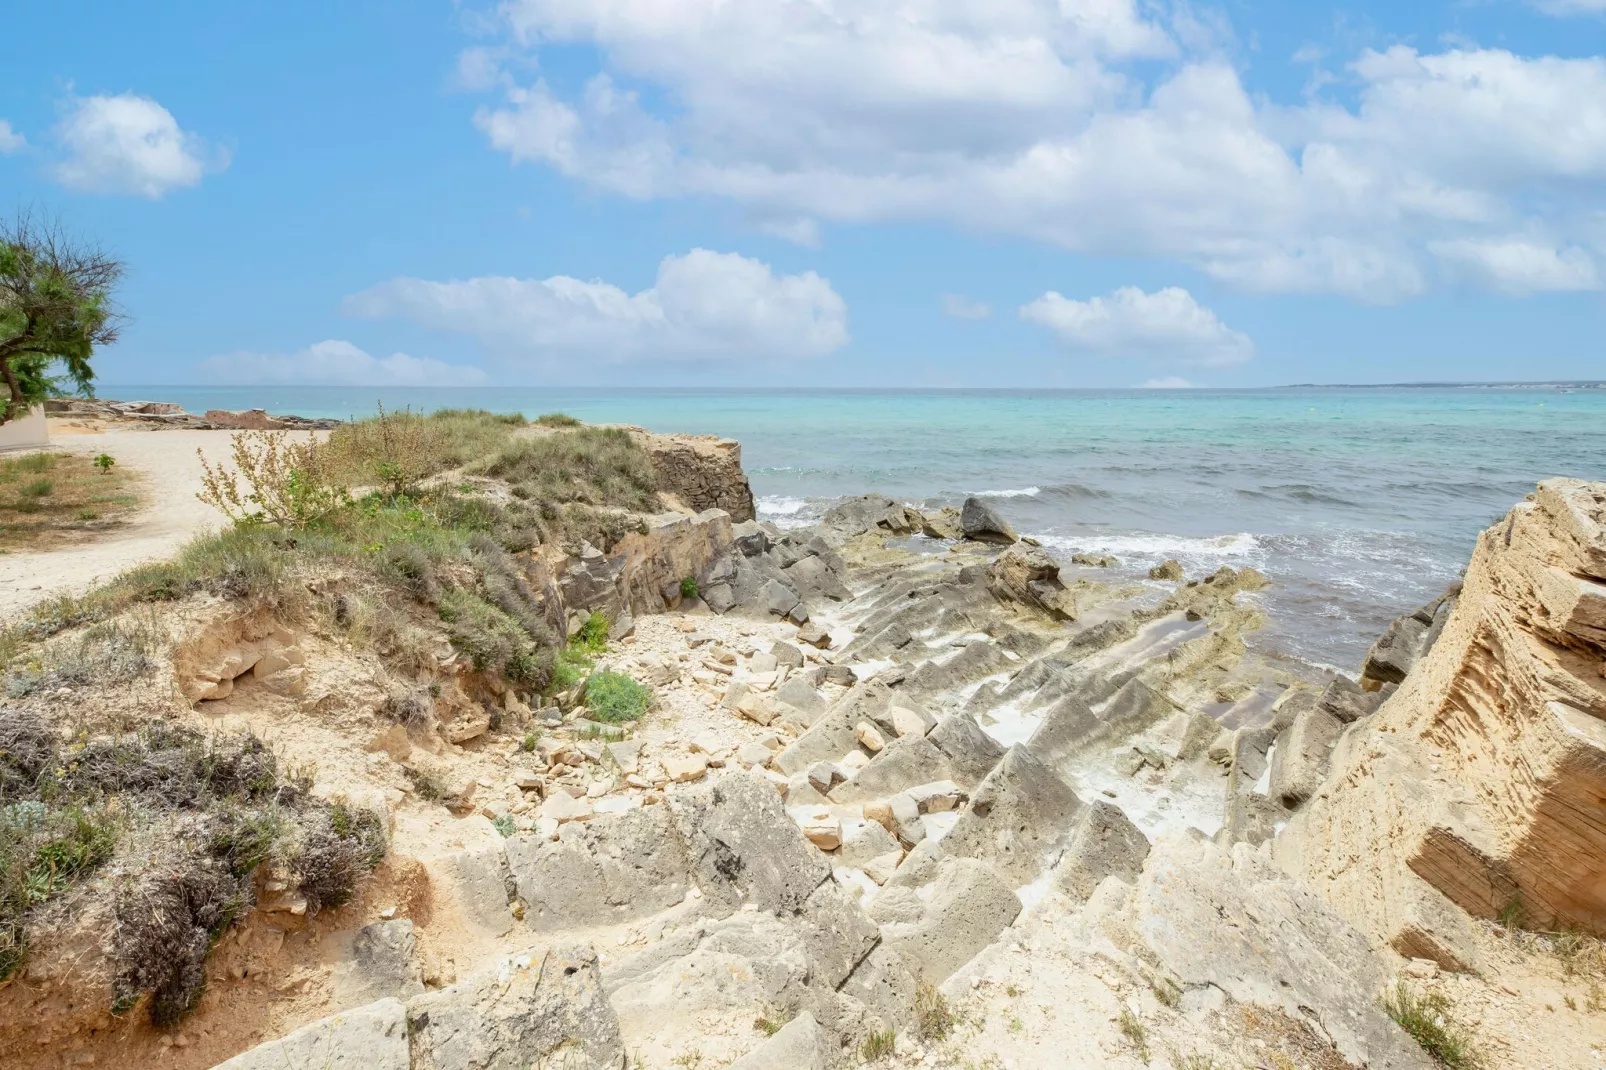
x: 288, y: 482
x: 613, y: 697
x: 689, y: 588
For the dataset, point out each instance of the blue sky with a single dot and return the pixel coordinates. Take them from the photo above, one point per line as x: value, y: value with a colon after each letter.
x: 820, y: 192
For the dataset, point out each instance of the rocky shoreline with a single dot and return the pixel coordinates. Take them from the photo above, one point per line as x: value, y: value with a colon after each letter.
x: 914, y: 793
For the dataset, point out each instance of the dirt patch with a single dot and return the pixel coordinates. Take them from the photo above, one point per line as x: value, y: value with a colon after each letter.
x: 55, y: 498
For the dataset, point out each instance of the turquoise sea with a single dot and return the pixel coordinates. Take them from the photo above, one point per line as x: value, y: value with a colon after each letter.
x: 1358, y: 502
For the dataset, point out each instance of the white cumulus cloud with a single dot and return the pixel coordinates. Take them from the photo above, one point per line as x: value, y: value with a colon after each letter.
x: 1571, y: 7
x: 703, y: 306
x: 1169, y: 382
x: 1518, y: 266
x: 1167, y: 325
x: 10, y: 140
x: 129, y: 144
x: 336, y: 363
x: 1093, y: 124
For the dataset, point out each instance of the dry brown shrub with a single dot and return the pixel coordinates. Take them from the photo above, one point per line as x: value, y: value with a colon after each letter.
x: 286, y: 481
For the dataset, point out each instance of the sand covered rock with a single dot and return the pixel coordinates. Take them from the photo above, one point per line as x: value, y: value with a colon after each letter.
x: 373, y: 1037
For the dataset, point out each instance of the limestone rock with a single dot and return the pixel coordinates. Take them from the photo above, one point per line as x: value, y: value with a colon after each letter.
x: 1028, y: 576
x: 964, y: 910
x: 383, y: 962
x: 1230, y: 920
x: 613, y: 868
x: 1300, y: 761
x: 481, y: 881
x: 1015, y: 818
x: 978, y: 521
x: 869, y: 736
x: 683, y: 768
x: 798, y: 1045
x: 1169, y: 569
x: 744, y: 848
x: 1104, y: 844
x: 373, y: 1037
x: 523, y: 1012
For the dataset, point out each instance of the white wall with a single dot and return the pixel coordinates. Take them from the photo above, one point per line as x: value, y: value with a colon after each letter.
x: 25, y: 432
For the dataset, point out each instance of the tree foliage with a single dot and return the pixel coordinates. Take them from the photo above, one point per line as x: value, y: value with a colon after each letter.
x: 55, y: 309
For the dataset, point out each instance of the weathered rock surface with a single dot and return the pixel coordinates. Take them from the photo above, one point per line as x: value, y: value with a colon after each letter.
x: 1481, y: 776
x: 601, y: 872
x: 529, y: 1010
x: 978, y: 521
x: 798, y: 1045
x: 373, y: 1037
x: 701, y: 472
x: 939, y: 928
x: 1228, y: 920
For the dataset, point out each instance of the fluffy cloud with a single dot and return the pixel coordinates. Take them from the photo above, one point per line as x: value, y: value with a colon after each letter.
x: 1170, y: 382
x: 1518, y: 267
x: 1034, y: 117
x: 961, y: 307
x: 1167, y: 325
x: 336, y: 363
x: 10, y: 140
x: 703, y: 306
x: 129, y: 144
x: 1571, y: 7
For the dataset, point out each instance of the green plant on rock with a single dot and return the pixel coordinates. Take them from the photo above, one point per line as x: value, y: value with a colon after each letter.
x: 877, y: 1045
x: 1428, y: 1018
x: 689, y: 588
x: 613, y: 697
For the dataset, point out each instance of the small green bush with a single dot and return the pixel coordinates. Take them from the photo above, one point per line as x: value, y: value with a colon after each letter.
x: 592, y: 465
x: 689, y: 588
x: 613, y: 697
x: 592, y: 637
x: 878, y: 1045
x: 557, y: 419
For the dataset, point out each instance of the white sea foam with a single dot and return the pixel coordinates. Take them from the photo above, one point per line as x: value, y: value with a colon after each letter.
x: 1017, y: 492
x: 1241, y: 544
x: 787, y: 512
x: 781, y: 506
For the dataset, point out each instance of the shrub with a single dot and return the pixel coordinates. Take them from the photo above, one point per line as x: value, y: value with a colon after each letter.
x: 104, y: 462
x: 689, y: 588
x: 1428, y: 1019
x: 592, y: 636
x: 613, y: 697
x: 287, y: 482
x: 591, y: 465
x: 557, y: 419
x: 396, y: 451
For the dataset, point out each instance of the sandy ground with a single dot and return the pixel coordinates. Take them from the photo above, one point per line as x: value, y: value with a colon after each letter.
x: 170, y: 517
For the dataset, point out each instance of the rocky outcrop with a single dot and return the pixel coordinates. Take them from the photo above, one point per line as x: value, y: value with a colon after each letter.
x: 373, y: 1037
x: 700, y: 472
x: 1478, y: 783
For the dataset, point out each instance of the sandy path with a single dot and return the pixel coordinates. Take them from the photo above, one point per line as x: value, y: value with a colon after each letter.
x: 170, y: 517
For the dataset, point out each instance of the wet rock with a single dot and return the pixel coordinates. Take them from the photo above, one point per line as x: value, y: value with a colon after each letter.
x: 978, y: 521
x: 1169, y: 569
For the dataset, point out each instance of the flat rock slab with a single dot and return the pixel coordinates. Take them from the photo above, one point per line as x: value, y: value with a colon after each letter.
x: 610, y: 869
x: 937, y: 930
x: 366, y: 1038
x: 1229, y: 920
x: 798, y: 1045
x: 535, y: 1009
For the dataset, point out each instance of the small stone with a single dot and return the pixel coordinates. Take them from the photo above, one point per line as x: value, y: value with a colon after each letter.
x: 823, y: 829
x: 937, y: 797
x: 869, y: 736
x: 854, y: 761
x: 814, y: 636
x: 757, y: 708
x: 706, y: 743
x: 909, y: 722
x: 763, y: 663
x: 1421, y: 968
x: 528, y: 780
x: 685, y: 768
x: 638, y: 781
x: 825, y: 776
x: 561, y: 807
x: 786, y: 654
x: 753, y: 754
x: 881, y: 868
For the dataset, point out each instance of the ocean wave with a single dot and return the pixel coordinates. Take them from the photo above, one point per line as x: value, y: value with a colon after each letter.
x: 780, y: 505
x: 1240, y: 544
x: 1019, y: 492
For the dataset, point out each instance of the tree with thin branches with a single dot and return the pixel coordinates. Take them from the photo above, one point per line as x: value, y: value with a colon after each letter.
x: 55, y: 310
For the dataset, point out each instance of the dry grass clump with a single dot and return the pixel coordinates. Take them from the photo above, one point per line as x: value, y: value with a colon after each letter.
x: 1429, y: 1018
x: 594, y: 466
x: 183, y: 822
x: 48, y: 498
x: 396, y: 451
x: 106, y: 655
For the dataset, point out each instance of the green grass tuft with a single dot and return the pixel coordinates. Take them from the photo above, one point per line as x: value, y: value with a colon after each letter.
x: 1429, y: 1020
x: 613, y: 697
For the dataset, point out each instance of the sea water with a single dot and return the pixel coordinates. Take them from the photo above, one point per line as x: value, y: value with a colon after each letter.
x: 1359, y: 503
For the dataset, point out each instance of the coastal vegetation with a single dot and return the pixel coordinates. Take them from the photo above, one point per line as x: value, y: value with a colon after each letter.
x: 51, y: 497
x: 405, y: 509
x: 55, y: 311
